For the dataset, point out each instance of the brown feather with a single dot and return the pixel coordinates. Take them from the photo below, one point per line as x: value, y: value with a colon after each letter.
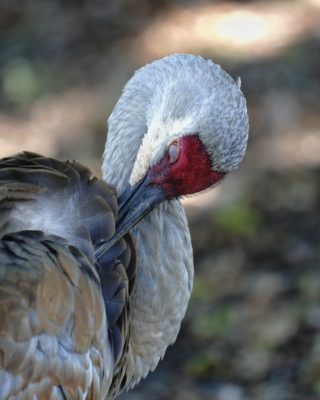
x: 61, y: 314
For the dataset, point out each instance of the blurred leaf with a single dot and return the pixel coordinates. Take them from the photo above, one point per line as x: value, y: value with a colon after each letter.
x: 201, y: 292
x: 240, y: 220
x: 198, y: 365
x: 217, y: 323
x: 207, y: 364
x: 316, y: 387
x: 23, y: 81
x: 309, y: 285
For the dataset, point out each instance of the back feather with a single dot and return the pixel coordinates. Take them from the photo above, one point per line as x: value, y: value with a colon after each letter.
x: 57, y: 340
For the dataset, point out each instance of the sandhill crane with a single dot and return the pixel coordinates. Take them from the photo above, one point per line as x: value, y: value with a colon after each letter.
x: 93, y: 287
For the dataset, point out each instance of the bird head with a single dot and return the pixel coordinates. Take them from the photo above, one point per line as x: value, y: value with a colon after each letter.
x: 196, y: 133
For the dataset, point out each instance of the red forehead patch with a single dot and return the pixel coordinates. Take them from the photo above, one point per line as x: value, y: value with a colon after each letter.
x: 190, y: 173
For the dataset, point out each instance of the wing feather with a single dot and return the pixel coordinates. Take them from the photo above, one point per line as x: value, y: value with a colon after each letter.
x: 64, y: 319
x: 49, y: 339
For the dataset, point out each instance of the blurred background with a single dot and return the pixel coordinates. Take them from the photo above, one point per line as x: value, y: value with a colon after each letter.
x: 252, y: 331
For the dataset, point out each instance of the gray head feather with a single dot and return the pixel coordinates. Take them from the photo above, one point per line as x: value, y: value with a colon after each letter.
x: 178, y: 95
x: 210, y: 102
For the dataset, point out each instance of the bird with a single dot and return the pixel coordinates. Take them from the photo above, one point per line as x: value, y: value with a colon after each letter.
x: 96, y: 274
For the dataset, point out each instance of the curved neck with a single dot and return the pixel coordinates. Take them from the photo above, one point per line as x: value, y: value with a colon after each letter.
x: 163, y: 286
x: 127, y: 126
x: 164, y: 252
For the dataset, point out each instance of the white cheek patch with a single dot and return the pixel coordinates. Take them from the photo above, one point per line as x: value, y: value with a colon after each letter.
x: 154, y: 143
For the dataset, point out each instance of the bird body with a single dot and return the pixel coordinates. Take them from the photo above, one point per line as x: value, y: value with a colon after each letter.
x: 95, y: 279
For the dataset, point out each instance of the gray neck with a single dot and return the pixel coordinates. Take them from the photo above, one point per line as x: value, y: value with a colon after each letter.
x: 164, y: 252
x: 163, y: 285
x: 127, y: 126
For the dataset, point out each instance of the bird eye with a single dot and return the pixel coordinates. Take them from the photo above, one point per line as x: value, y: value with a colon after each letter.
x: 173, y: 151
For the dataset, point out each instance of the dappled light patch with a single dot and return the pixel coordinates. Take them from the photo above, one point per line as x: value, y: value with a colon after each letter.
x: 231, y: 30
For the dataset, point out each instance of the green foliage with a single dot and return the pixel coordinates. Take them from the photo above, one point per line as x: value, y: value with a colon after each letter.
x: 206, y: 365
x: 309, y: 286
x: 198, y: 365
x: 217, y: 323
x: 239, y: 219
x: 316, y: 388
x: 23, y: 81
x: 201, y: 292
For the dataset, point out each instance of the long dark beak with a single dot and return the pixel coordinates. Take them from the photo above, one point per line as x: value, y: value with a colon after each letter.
x: 134, y: 204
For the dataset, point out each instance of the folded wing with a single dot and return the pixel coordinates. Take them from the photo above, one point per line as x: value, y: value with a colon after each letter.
x: 64, y: 317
